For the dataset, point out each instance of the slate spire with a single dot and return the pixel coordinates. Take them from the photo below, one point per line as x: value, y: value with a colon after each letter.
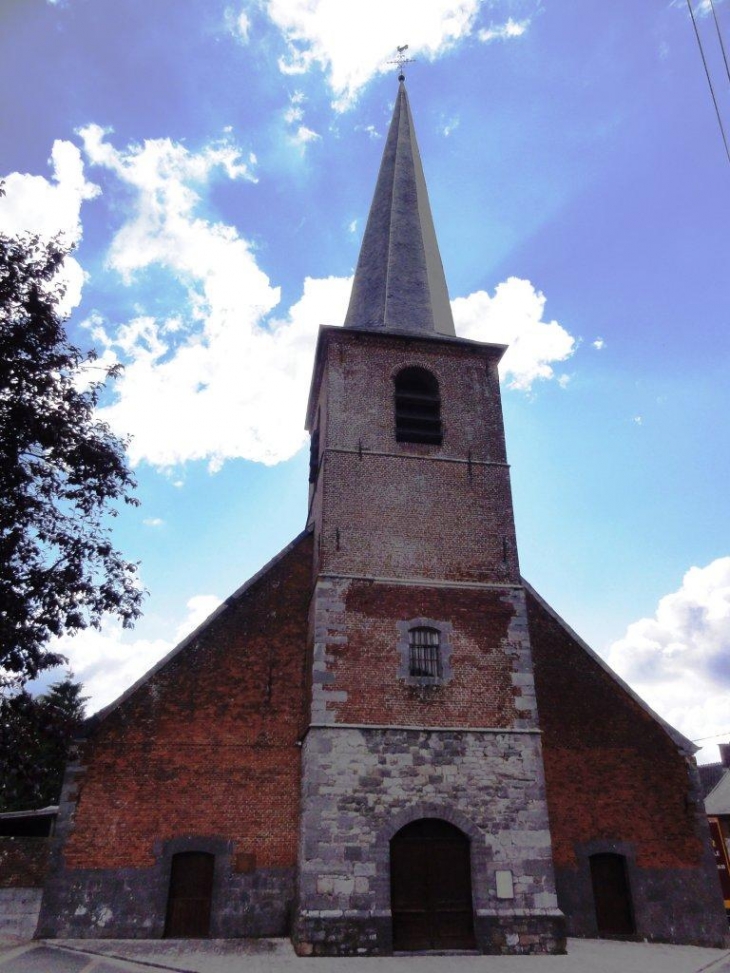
x: 399, y: 282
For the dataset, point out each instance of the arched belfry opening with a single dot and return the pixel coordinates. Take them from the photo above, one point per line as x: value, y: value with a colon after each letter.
x: 430, y: 887
x: 417, y: 407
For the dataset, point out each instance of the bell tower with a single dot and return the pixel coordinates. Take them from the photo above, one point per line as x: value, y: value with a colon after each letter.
x: 424, y: 821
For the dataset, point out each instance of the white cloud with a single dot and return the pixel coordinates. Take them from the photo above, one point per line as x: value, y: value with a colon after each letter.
x: 295, y: 111
x: 153, y: 521
x: 36, y: 205
x: 511, y: 28
x: 348, y: 42
x: 214, y: 379
x: 370, y: 130
x: 109, y: 660
x: 301, y: 134
x: 679, y: 660
x: 701, y: 9
x: 237, y: 24
x: 514, y: 317
x: 638, y: 420
x: 599, y: 344
x: 447, y: 127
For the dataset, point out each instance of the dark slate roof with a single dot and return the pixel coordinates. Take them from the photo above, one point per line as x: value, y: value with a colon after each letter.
x: 710, y: 775
x: 399, y: 282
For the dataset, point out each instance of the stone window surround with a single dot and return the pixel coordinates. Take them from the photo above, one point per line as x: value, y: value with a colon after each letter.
x: 404, y: 651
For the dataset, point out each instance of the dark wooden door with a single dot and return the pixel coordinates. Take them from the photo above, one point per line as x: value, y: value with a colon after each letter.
x: 430, y: 887
x: 614, y: 915
x: 191, y: 891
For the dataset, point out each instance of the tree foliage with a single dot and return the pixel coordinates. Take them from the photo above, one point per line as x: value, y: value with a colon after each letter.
x: 62, y: 471
x: 35, y: 736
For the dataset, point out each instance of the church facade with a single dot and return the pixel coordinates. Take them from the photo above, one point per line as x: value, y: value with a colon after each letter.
x: 386, y: 740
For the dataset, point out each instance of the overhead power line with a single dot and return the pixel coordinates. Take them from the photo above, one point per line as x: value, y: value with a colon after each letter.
x: 709, y: 79
x: 722, y: 733
x: 719, y: 37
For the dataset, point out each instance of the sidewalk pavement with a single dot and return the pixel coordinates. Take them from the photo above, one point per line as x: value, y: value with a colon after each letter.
x: 277, y: 956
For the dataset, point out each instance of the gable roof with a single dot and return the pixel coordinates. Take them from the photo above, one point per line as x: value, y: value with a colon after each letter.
x: 685, y: 745
x: 90, y: 724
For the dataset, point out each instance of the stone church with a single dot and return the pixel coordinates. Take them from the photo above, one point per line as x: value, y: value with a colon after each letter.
x: 386, y: 740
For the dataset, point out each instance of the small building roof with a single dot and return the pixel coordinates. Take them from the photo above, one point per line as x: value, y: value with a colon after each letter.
x: 43, y: 812
x: 718, y: 800
x: 710, y: 775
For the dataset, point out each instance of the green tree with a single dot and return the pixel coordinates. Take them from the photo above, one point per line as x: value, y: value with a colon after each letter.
x: 35, y: 736
x: 62, y: 473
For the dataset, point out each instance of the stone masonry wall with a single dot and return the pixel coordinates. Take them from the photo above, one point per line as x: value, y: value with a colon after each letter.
x: 360, y: 786
x: 617, y: 782
x: 205, y: 752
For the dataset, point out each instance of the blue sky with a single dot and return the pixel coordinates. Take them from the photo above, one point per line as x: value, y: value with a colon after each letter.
x: 214, y: 162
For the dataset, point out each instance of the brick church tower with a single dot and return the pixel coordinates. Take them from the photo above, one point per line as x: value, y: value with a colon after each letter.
x: 386, y: 740
x: 424, y: 729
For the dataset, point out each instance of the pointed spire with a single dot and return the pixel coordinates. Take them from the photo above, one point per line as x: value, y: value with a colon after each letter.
x: 399, y: 283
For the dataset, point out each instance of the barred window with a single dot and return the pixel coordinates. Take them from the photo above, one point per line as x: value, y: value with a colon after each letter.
x: 425, y: 653
x: 417, y: 407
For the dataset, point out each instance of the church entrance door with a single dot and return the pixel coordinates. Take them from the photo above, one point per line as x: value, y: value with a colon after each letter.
x: 430, y: 887
x: 614, y: 915
x: 191, y: 891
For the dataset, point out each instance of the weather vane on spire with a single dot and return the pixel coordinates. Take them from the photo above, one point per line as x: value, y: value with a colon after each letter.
x: 401, y: 59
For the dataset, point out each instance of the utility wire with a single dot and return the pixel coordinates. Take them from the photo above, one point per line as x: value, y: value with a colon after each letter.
x: 722, y: 733
x: 709, y: 81
x: 719, y: 37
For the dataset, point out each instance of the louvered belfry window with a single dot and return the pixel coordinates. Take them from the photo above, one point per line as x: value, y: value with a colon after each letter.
x: 425, y: 653
x: 417, y: 407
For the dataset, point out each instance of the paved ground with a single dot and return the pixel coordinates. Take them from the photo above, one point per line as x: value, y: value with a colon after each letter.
x: 277, y: 956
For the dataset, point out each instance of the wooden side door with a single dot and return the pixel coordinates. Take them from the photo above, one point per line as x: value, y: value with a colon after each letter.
x: 431, y: 901
x: 191, y: 893
x: 614, y: 913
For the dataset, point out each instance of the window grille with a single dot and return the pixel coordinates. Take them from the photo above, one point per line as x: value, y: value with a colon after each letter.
x: 425, y: 653
x: 417, y: 407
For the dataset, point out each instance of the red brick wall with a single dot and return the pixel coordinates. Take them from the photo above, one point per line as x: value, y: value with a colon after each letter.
x: 208, y: 746
x: 360, y: 371
x: 611, y: 770
x: 395, y: 517
x: 23, y: 862
x: 480, y: 692
x: 382, y: 511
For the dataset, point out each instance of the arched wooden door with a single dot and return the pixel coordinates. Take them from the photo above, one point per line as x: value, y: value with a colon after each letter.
x: 614, y: 914
x: 430, y: 887
x: 191, y: 892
